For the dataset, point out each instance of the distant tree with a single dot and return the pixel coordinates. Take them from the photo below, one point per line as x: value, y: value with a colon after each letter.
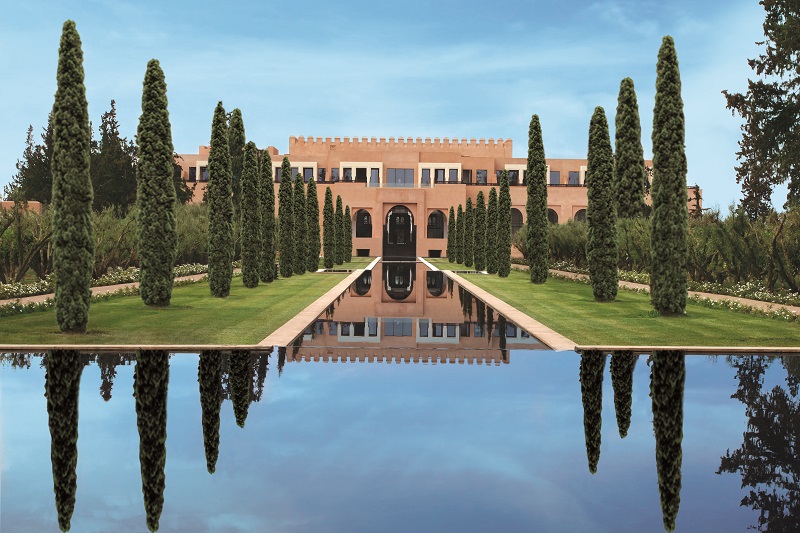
x: 591, y: 377
x: 622, y: 366
x: 236, y: 144
x: 328, y: 230
x: 480, y: 233
x: 300, y: 257
x: 460, y: 235
x: 670, y: 218
x: 629, y: 173
x: 601, y: 217
x: 451, y: 235
x: 220, y: 208
x: 267, y: 269
x: 286, y: 219
x: 538, y: 227
x: 503, y: 254
x: 73, y: 235
x: 469, y: 234
x: 313, y: 244
x: 340, y: 238
x: 251, y: 217
x: 209, y: 375
x: 348, y: 234
x: 491, y: 235
x: 155, y: 197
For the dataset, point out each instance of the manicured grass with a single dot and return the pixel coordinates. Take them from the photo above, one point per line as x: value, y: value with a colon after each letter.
x: 247, y: 316
x: 569, y: 308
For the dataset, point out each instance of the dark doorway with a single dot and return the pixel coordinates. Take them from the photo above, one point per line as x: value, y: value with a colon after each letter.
x: 399, y: 234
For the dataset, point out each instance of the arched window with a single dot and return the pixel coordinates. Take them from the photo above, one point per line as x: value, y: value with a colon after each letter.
x: 363, y: 223
x: 516, y: 220
x: 580, y: 216
x: 436, y: 225
x: 552, y: 216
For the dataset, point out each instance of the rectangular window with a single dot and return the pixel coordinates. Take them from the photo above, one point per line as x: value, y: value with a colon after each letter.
x: 439, y: 175
x: 348, y: 174
x: 334, y: 175
x: 308, y: 173
x: 361, y: 175
x: 453, y: 175
x: 203, y: 173
x: 423, y: 328
x: 426, y: 177
x: 574, y: 177
x: 480, y: 176
x: 466, y: 176
x: 192, y: 173
x: 451, y: 331
x: 555, y: 177
x: 513, y: 177
x: 372, y: 327
x: 374, y: 177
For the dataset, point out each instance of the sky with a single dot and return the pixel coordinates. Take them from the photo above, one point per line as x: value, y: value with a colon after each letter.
x: 462, y: 69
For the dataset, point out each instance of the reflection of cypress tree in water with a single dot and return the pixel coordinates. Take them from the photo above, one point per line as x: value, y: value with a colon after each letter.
x: 240, y: 382
x: 667, y: 378
x: 281, y: 359
x: 62, y: 384
x: 150, y: 381
x: 209, y: 375
x: 767, y: 460
x: 591, y: 376
x: 262, y: 360
x: 622, y: 364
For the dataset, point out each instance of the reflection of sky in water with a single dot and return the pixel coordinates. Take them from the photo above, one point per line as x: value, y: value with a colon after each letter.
x: 381, y: 447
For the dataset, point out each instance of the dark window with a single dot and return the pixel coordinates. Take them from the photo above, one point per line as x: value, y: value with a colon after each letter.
x: 374, y: 176
x: 466, y: 176
x: 453, y: 176
x: 574, y: 177
x: 555, y: 177
x: 439, y: 175
x: 203, y: 173
x: 436, y: 225
x: 552, y: 216
x: 192, y: 173
x: 363, y: 224
x: 308, y: 173
x: 423, y: 328
x: 580, y: 216
x: 480, y: 177
x: 321, y: 175
x: 513, y: 177
x: 361, y: 175
x: 401, y: 177
x: 348, y: 175
x: 426, y: 177
x: 334, y: 175
x: 516, y: 220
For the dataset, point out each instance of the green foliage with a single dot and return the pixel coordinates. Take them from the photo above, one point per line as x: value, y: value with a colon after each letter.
x: 348, y: 235
x: 622, y: 366
x: 252, y: 247
x: 491, y: 236
x: 469, y: 234
x: 459, y: 245
x: 451, y: 235
x: 267, y: 269
x: 155, y: 195
x: 667, y: 379
x: 593, y: 363
x: 300, y: 257
x: 313, y: 244
x: 503, y: 250
x: 220, y: 208
x: 601, y: 217
x: 340, y: 238
x: 629, y: 171
x: 480, y: 232
x: 73, y: 238
x: 536, y: 205
x: 209, y: 375
x: 150, y: 383
x: 328, y: 230
x: 240, y: 378
x: 670, y: 216
x: 236, y: 144
x: 62, y: 385
x: 286, y: 219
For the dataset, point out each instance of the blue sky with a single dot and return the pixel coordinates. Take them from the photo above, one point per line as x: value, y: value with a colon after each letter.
x: 420, y: 69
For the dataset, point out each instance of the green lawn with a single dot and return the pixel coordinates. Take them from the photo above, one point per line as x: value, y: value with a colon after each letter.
x: 247, y: 316
x: 569, y: 308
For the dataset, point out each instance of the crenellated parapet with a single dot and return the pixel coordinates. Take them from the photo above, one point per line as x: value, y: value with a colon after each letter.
x: 474, y: 147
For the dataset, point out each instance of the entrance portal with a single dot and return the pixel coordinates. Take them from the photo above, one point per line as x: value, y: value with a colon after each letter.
x: 399, y: 234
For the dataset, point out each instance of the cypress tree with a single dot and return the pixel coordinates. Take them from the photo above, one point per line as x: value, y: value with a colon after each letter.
x: 601, y: 219
x: 591, y: 376
x: 538, y: 230
x: 240, y: 377
x: 62, y: 386
x: 286, y: 219
x: 348, y: 234
x: 491, y: 235
x: 339, y: 224
x: 629, y: 171
x: 670, y: 218
x: 155, y: 196
x: 622, y: 365
x: 460, y: 235
x: 313, y: 244
x: 469, y: 233
x: 150, y: 381
x: 667, y: 379
x: 267, y: 269
x: 73, y: 233
x: 328, y: 230
x: 503, y: 257
x: 251, y: 217
x: 300, y: 257
x: 236, y: 144
x: 209, y: 375
x: 480, y: 233
x: 451, y: 235
x: 220, y: 208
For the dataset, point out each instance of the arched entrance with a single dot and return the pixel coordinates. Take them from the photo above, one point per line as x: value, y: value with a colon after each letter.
x: 399, y: 234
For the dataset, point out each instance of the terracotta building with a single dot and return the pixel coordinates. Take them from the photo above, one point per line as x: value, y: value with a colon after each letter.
x: 400, y: 190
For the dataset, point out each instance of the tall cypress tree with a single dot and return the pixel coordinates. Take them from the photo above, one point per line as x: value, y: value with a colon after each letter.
x: 328, y: 230
x: 348, y: 235
x: 451, y: 235
x: 312, y: 223
x: 623, y: 363
x: 629, y: 171
x: 73, y: 233
x: 62, y: 385
x: 236, y: 144
x: 491, y: 235
x: 480, y: 233
x: 591, y: 377
x: 339, y: 223
x: 267, y: 269
x: 155, y: 195
x: 601, y: 218
x: 469, y: 234
x: 286, y: 219
x: 503, y: 256
x: 670, y: 218
x: 460, y: 235
x: 220, y: 208
x: 538, y: 230
x: 209, y: 375
x: 251, y: 217
x: 300, y: 257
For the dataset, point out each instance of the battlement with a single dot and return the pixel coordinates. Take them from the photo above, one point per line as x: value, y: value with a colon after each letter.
x: 479, y: 147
